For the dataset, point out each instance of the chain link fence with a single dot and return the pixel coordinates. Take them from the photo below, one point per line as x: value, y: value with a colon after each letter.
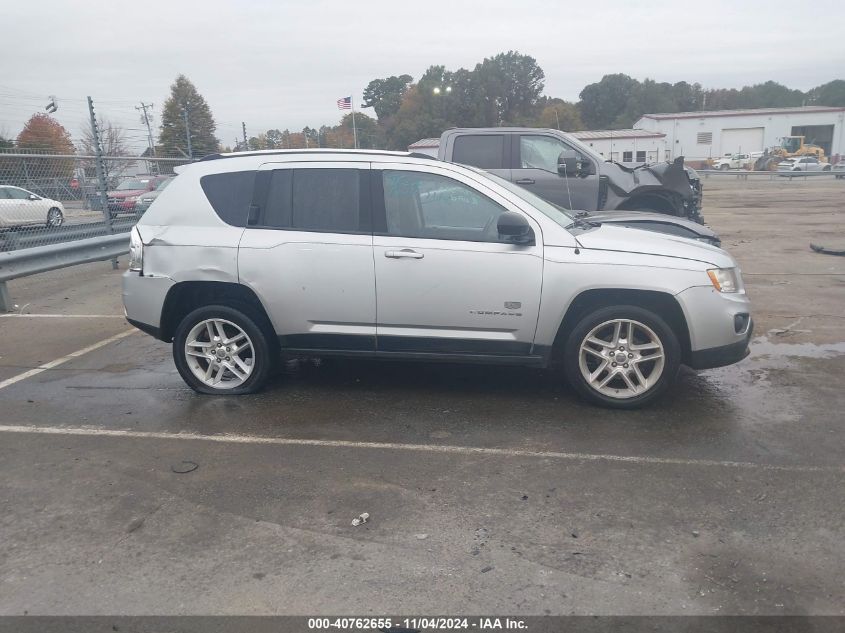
x: 49, y: 199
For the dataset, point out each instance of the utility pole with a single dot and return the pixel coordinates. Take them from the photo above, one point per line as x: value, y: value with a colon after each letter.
x: 143, y: 108
x: 187, y: 129
x: 246, y: 144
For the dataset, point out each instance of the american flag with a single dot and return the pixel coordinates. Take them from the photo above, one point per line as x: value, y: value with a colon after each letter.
x: 344, y: 103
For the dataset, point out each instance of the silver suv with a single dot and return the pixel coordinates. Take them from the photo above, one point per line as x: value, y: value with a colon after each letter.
x: 248, y: 257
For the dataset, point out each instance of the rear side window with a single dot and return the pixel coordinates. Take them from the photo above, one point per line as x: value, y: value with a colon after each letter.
x: 484, y: 151
x: 230, y: 195
x: 326, y: 200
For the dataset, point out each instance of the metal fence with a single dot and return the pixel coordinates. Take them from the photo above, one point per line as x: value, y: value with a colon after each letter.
x: 54, y: 213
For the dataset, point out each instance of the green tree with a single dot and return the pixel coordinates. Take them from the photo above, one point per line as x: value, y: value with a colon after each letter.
x: 559, y: 114
x: 829, y: 94
x: 603, y: 102
x: 385, y: 95
x: 172, y: 137
x: 508, y: 86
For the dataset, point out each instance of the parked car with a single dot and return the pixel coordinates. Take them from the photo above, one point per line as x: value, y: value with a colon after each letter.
x: 562, y: 170
x: 124, y: 198
x: 735, y: 161
x: 19, y: 207
x: 803, y: 163
x: 384, y: 255
x: 146, y: 199
x: 839, y: 169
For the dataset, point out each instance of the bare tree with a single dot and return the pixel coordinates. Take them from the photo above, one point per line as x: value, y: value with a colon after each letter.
x: 113, y: 141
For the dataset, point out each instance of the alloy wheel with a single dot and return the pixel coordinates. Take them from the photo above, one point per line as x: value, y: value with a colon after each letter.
x: 219, y: 353
x: 621, y: 358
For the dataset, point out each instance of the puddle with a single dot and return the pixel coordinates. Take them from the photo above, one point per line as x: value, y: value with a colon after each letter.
x: 762, y: 346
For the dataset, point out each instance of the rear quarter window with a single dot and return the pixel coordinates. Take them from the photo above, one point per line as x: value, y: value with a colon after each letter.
x: 230, y: 195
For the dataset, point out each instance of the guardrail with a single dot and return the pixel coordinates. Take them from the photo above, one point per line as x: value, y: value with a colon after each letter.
x: 771, y: 175
x: 29, y: 237
x: 42, y: 259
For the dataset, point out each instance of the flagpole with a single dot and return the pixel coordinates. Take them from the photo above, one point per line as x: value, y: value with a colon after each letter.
x: 354, y: 129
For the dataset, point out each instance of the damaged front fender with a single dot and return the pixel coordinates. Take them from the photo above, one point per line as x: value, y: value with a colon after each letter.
x: 671, y: 182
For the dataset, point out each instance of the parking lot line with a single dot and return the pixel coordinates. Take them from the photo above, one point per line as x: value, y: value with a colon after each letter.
x: 430, y: 448
x: 59, y: 361
x: 62, y: 316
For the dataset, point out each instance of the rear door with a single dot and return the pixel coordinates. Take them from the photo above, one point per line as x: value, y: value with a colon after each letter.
x: 307, y: 252
x: 446, y: 282
x: 490, y: 152
x: 535, y: 168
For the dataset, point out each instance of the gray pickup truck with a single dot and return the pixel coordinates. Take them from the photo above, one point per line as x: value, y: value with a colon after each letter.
x: 564, y: 171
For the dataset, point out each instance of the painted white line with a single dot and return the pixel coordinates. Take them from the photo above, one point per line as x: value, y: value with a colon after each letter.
x: 62, y: 316
x: 426, y: 448
x: 64, y: 359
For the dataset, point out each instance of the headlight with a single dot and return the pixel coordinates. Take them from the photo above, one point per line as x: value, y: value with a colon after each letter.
x: 725, y: 279
x: 147, y: 200
x: 136, y: 250
x: 131, y: 198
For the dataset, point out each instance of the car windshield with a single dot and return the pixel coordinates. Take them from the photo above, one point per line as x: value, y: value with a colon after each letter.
x: 551, y: 211
x: 132, y: 184
x: 163, y: 184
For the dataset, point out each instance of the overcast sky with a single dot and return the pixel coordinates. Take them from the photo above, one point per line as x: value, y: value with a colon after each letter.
x: 278, y: 63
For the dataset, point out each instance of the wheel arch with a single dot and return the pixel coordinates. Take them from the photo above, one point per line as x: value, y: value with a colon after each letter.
x: 661, y: 303
x: 186, y: 296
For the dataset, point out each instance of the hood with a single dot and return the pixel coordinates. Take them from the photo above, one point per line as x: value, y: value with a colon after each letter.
x: 608, y: 237
x: 126, y: 193
x: 671, y: 176
x: 620, y: 217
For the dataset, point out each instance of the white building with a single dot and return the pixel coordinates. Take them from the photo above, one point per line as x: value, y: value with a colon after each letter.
x: 703, y: 135
x: 626, y: 146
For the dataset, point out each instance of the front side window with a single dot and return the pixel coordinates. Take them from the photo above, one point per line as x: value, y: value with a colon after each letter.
x: 17, y: 194
x: 540, y: 152
x: 431, y: 206
x: 326, y: 200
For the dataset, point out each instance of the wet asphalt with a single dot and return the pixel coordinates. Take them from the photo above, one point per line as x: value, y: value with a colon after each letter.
x: 489, y: 490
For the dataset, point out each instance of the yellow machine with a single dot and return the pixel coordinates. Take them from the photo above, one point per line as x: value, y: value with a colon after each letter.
x: 789, y: 147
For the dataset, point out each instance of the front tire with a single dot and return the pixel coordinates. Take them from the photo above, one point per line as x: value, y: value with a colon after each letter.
x: 222, y: 350
x: 621, y: 357
x: 55, y: 217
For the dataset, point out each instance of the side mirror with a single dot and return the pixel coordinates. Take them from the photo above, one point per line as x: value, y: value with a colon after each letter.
x: 32, y: 196
x: 572, y: 163
x: 514, y: 228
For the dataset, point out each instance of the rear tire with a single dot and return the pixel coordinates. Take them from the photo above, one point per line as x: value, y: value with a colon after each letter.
x: 646, y: 357
x: 222, y: 350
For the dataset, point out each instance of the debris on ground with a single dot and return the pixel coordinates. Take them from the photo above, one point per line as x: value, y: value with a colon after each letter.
x: 134, y: 525
x: 421, y: 537
x: 827, y: 251
x: 360, y: 519
x: 184, y: 467
x: 695, y: 533
x: 484, y: 570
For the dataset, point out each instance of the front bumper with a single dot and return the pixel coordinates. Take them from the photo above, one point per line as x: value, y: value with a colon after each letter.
x: 712, y: 319
x: 723, y: 355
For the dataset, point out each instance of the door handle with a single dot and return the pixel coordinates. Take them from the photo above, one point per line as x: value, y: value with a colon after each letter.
x: 405, y: 252
x: 525, y: 181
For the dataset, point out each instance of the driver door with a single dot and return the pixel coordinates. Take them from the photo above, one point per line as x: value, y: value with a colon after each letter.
x: 445, y: 282
x: 535, y: 168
